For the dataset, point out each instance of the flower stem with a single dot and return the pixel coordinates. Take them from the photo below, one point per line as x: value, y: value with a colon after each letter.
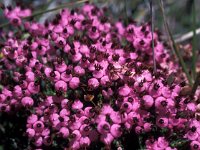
x: 194, y: 41
x: 196, y: 84
x: 175, y: 48
x: 152, y: 40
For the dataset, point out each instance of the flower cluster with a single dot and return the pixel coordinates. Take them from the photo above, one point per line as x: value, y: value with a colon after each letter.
x: 15, y: 15
x: 85, y: 79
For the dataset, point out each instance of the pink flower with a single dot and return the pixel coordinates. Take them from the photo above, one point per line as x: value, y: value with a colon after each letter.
x: 60, y: 42
x: 148, y: 101
x: 38, y: 126
x: 138, y: 130
x: 105, y: 81
x: 30, y: 132
x: 126, y: 106
x: 16, y: 21
x: 103, y: 127
x: 147, y: 127
x: 124, y: 91
x: 33, y: 88
x: 107, y: 138
x: 38, y: 141
x: 45, y: 132
x: 64, y: 103
x: 66, y: 76
x: 30, y: 76
x: 116, y: 130
x: 93, y: 83
x: 162, y: 143
x: 47, y: 140
x: 191, y: 107
x: 85, y: 141
x: 161, y: 103
x: 115, y: 117
x: 166, y: 92
x: 32, y: 119
x: 77, y: 104
x: 64, y: 132
x: 162, y: 122
x: 79, y: 70
x: 75, y: 145
x: 27, y: 101
x: 61, y: 85
x: 61, y: 67
x: 54, y: 75
x: 74, y: 83
x: 195, y: 145
x: 76, y: 135
x: 17, y: 91
x: 89, y: 111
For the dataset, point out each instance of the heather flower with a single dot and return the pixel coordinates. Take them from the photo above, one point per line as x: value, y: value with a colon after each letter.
x: 66, y: 76
x: 60, y: 67
x: 148, y: 101
x: 195, y: 145
x: 32, y: 119
x: 75, y: 145
x: 124, y: 91
x: 85, y: 141
x: 75, y: 125
x: 77, y: 104
x: 116, y: 130
x: 79, y: 70
x: 105, y: 81
x: 45, y: 132
x: 30, y: 132
x: 64, y: 132
x: 27, y: 101
x: 162, y: 143
x: 115, y: 117
x: 38, y: 141
x: 76, y: 135
x: 147, y: 127
x: 93, y: 83
x: 107, y: 138
x: 30, y: 76
x: 61, y: 85
x: 85, y: 130
x: 33, y: 87
x: 103, y: 127
x: 38, y: 126
x: 17, y: 91
x: 47, y: 141
x: 126, y: 106
x: 162, y: 122
x: 74, y: 82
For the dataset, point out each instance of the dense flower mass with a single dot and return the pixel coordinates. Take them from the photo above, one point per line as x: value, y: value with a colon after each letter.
x: 85, y: 79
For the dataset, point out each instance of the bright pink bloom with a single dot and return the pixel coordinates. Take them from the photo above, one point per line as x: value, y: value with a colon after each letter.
x: 27, y: 101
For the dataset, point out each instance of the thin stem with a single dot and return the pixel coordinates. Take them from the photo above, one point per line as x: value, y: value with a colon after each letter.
x: 56, y: 8
x: 152, y: 35
x: 125, y: 10
x: 49, y: 10
x: 93, y: 103
x: 196, y: 84
x: 175, y: 48
x: 194, y: 41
